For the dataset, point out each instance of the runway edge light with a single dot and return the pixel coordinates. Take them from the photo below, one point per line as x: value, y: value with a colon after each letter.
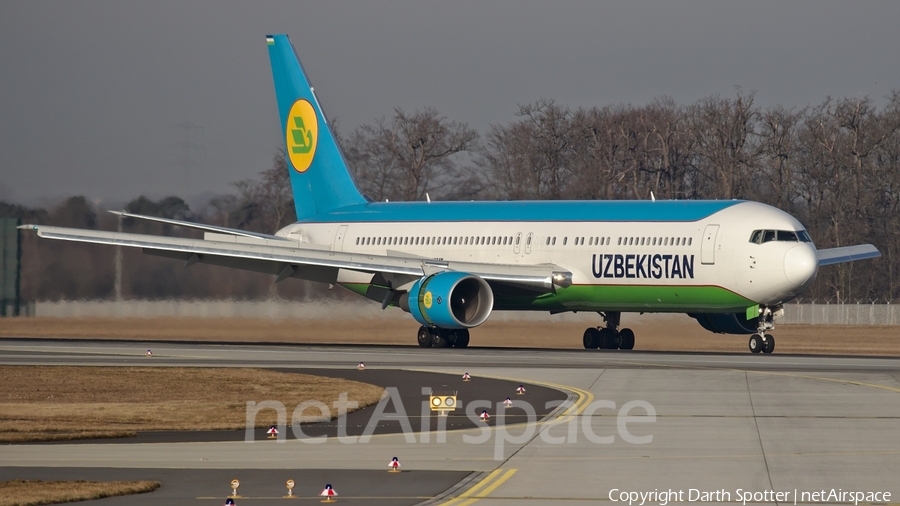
x: 235, y: 484
x: 290, y: 486
x: 329, y: 494
x: 361, y: 367
x: 272, y: 432
x: 394, y: 465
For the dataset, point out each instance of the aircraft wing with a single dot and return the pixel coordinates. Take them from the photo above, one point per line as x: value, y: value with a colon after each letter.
x: 847, y: 254
x: 199, y: 226
x: 289, y: 258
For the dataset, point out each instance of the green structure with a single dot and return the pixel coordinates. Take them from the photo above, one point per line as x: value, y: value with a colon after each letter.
x: 10, y: 267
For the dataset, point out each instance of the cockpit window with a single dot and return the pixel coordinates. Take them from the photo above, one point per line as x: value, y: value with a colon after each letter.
x: 786, y: 235
x: 763, y: 236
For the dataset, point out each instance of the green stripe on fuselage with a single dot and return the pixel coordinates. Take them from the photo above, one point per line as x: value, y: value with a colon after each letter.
x: 630, y: 298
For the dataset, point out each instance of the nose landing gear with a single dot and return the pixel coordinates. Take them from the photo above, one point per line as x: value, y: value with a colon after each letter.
x: 609, y: 337
x: 762, y: 342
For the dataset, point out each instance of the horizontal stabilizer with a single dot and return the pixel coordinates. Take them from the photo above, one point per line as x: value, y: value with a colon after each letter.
x: 199, y: 226
x: 847, y: 254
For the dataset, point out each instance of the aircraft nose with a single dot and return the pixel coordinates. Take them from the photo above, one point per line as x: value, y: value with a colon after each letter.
x: 801, y: 264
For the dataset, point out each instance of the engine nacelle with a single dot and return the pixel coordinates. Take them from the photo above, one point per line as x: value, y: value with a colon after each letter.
x: 727, y: 323
x: 449, y: 300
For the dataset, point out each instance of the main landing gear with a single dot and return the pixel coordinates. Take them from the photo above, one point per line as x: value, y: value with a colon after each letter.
x: 442, y: 338
x: 609, y: 337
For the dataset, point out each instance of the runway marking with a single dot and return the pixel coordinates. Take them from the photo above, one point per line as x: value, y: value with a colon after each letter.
x: 488, y: 484
x: 584, y: 397
x: 724, y: 456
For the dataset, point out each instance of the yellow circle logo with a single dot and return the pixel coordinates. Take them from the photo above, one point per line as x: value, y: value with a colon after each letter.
x: 301, y: 135
x: 427, y: 300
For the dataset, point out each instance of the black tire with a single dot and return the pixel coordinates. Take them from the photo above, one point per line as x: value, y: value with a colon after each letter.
x: 462, y: 339
x: 770, y: 344
x: 424, y: 337
x: 609, y: 339
x: 627, y: 342
x: 755, y: 344
x: 591, y: 339
x: 439, y: 338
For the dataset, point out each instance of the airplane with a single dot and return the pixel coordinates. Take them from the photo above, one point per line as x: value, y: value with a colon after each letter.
x: 730, y: 264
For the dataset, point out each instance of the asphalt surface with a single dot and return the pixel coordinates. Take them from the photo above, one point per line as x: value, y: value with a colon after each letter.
x: 410, y: 386
x: 211, y: 486
x: 706, y: 421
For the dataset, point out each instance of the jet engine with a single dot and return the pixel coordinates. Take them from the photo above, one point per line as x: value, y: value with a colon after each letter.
x: 449, y: 300
x: 726, y: 323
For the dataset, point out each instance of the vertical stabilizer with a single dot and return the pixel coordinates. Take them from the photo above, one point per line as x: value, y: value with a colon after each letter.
x: 319, y: 176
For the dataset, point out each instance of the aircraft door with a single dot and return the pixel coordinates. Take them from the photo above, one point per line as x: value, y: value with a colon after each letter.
x: 517, y: 243
x: 339, y: 239
x: 528, y: 241
x: 708, y: 248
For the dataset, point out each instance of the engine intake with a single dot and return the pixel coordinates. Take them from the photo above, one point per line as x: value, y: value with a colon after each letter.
x: 449, y: 300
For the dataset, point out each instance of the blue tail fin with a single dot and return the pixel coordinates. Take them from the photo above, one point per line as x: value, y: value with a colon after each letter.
x: 319, y: 176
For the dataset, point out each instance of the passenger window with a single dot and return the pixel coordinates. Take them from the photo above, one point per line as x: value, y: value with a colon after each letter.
x: 678, y: 241
x: 619, y: 242
x: 553, y: 241
x: 518, y: 238
x: 690, y: 241
x: 564, y: 240
x: 528, y: 240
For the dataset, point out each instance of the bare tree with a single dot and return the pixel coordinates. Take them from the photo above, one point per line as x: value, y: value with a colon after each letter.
x: 408, y: 155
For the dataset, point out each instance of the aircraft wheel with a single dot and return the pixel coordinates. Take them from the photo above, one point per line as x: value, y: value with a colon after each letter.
x: 609, y: 339
x: 756, y: 344
x: 770, y: 344
x: 424, y: 337
x: 627, y: 342
x: 591, y: 339
x: 462, y: 338
x: 439, y: 338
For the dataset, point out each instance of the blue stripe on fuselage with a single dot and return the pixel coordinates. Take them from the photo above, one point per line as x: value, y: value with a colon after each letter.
x: 573, y: 211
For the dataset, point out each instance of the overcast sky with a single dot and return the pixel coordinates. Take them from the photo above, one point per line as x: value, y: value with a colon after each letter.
x: 91, y: 92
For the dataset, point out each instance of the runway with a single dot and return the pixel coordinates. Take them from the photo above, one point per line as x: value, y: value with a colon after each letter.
x: 636, y: 421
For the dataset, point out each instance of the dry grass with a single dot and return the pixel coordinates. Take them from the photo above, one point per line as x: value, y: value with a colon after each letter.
x: 61, y: 402
x: 36, y: 492
x: 663, y: 333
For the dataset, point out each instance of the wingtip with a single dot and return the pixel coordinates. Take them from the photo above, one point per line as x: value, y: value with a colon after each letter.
x: 27, y: 227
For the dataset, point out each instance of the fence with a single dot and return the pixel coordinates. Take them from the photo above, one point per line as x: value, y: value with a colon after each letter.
x: 808, y: 314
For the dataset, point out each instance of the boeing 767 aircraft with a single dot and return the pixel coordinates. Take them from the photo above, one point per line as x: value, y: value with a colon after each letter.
x: 729, y: 264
